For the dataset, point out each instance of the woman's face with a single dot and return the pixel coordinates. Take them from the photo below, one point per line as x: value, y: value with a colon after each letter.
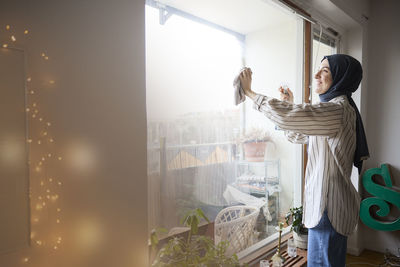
x: 323, y: 78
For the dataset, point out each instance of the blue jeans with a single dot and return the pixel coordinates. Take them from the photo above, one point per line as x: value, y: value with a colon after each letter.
x: 326, y: 247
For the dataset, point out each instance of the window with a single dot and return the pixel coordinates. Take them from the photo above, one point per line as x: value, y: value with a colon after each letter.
x: 196, y: 158
x: 324, y: 44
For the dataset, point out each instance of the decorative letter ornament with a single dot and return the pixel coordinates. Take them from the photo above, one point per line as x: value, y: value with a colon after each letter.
x: 383, y: 194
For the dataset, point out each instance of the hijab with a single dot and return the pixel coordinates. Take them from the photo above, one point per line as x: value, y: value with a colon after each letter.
x: 346, y: 77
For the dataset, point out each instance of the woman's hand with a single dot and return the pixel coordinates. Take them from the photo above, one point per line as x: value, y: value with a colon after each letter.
x: 286, y: 94
x: 245, y: 80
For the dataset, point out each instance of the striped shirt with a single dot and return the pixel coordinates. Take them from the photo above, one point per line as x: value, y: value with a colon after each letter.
x: 329, y: 130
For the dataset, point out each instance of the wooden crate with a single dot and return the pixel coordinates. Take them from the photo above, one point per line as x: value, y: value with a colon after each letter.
x: 299, y: 261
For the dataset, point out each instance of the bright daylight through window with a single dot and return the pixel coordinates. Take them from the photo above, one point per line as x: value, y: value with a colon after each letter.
x: 201, y: 147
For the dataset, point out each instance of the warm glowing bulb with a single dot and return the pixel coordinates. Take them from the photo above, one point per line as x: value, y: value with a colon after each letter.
x: 48, y: 190
x: 43, y: 158
x: 59, y: 183
x: 27, y: 109
x: 39, y: 242
x: 13, y: 38
x: 37, y: 169
x: 36, y: 111
x: 8, y: 27
x: 55, y: 247
x: 33, y: 115
x: 48, y: 196
x: 45, y: 133
x: 39, y: 142
x: 36, y: 220
x: 50, y: 179
x: 49, y: 155
x: 46, y: 58
x: 58, y: 209
x: 26, y: 32
x: 5, y: 45
x: 25, y: 260
x: 43, y: 54
x: 51, y: 82
x: 41, y: 183
x: 40, y: 197
x: 31, y: 92
x: 29, y: 79
x: 51, y: 140
x: 34, y: 104
x: 48, y: 124
x: 39, y: 207
x: 44, y: 203
x: 59, y: 158
x: 58, y: 221
x: 29, y: 140
x: 40, y: 163
x: 40, y: 119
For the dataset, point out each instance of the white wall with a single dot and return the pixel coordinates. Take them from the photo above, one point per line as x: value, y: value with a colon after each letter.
x: 98, y: 120
x: 383, y: 107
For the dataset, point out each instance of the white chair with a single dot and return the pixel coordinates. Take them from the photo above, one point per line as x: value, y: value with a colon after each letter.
x: 236, y: 225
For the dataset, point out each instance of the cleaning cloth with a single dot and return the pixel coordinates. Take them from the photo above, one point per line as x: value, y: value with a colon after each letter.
x: 239, y: 95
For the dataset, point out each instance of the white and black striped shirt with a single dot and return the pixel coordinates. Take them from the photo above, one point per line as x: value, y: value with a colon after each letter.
x: 329, y: 130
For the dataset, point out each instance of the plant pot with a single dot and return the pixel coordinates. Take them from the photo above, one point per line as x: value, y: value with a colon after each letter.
x: 254, y: 151
x: 300, y: 240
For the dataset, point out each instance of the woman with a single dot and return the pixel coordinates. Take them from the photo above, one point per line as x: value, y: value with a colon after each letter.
x: 334, y: 131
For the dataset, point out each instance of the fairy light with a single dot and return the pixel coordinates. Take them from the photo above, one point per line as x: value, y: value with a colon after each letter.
x: 44, y: 197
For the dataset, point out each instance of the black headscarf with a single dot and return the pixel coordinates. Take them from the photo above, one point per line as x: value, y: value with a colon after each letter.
x: 346, y: 77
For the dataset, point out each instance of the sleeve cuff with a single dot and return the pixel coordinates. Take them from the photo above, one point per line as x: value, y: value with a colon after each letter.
x: 258, y: 101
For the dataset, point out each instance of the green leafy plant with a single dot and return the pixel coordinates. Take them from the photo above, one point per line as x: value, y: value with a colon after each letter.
x: 195, y: 250
x: 294, y: 218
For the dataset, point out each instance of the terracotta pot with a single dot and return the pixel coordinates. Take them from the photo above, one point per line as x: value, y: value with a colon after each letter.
x: 254, y: 151
x: 300, y: 240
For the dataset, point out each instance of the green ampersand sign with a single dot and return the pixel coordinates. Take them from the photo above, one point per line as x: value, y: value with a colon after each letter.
x: 383, y: 194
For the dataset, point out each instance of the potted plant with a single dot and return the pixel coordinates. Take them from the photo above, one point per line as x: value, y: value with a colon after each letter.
x: 195, y: 250
x: 300, y: 232
x: 254, y: 143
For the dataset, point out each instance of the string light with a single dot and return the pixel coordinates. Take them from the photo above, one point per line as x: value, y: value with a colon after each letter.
x: 41, y: 202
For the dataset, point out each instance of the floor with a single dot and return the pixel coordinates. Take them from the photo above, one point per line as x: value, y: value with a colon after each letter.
x: 367, y: 258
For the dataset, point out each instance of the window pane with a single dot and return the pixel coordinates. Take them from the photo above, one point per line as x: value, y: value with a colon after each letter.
x: 196, y: 150
x: 323, y: 45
